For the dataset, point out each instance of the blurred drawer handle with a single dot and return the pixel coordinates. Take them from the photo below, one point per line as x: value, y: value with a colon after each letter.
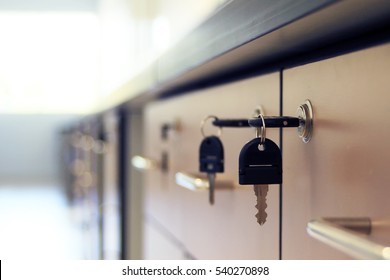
x: 143, y: 163
x: 191, y: 182
x: 341, y: 234
x: 194, y: 182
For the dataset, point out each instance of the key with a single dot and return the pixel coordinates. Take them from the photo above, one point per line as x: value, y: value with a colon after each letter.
x: 211, y: 177
x: 211, y: 161
x: 261, y: 203
x: 260, y: 165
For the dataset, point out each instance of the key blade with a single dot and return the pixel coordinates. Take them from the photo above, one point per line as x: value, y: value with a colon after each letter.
x: 261, y: 205
x: 211, y: 177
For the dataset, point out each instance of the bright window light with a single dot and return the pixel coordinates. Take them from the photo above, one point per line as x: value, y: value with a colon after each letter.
x: 49, y: 62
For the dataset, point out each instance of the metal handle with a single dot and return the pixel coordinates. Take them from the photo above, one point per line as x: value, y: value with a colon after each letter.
x: 143, y: 163
x: 191, y: 181
x: 341, y: 234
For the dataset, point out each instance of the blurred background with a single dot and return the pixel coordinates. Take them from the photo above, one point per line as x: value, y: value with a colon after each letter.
x: 58, y: 60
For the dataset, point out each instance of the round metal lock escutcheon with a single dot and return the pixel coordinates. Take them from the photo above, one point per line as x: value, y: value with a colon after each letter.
x: 305, y: 115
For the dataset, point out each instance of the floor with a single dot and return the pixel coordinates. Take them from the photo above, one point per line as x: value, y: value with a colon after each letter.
x: 36, y: 222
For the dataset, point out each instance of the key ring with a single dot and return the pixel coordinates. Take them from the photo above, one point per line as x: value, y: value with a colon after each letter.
x: 260, y: 131
x: 202, y: 124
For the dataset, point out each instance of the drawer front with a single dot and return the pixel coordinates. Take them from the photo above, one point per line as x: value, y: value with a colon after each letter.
x: 343, y: 170
x: 159, y: 244
x: 227, y: 229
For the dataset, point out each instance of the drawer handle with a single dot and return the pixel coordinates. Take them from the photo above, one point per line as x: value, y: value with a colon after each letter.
x: 341, y: 234
x: 191, y: 182
x: 194, y: 182
x: 143, y: 163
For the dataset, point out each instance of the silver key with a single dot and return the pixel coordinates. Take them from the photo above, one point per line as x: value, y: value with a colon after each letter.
x: 211, y: 177
x: 261, y: 205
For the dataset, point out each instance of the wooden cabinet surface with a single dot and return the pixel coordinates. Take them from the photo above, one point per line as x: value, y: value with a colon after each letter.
x: 344, y: 170
x: 341, y: 172
x: 228, y: 229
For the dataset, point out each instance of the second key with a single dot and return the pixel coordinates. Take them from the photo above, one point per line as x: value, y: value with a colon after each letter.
x: 211, y: 161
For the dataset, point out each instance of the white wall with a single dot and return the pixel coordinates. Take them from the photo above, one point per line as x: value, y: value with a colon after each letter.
x: 29, y: 148
x: 48, y: 5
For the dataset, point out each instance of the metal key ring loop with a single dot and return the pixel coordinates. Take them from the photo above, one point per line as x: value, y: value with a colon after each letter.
x: 260, y: 132
x: 202, y: 124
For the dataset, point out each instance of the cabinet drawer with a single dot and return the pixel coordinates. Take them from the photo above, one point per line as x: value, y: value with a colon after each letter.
x: 343, y: 170
x: 228, y: 229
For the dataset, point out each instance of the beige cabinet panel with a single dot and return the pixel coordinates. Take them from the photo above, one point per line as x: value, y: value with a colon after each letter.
x: 344, y: 170
x: 159, y: 246
x: 228, y: 229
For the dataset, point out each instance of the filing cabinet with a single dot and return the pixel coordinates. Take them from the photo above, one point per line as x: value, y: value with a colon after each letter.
x: 343, y: 170
x: 340, y: 173
x: 228, y: 229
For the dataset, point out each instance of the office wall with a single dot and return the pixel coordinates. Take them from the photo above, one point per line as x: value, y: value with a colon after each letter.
x: 29, y: 148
